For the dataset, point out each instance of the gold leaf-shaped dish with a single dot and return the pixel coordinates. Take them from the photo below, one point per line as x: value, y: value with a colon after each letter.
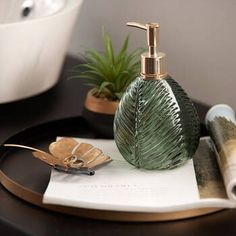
x: 75, y: 154
x: 70, y: 156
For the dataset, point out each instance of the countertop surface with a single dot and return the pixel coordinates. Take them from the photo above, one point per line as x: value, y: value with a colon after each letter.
x: 21, y: 218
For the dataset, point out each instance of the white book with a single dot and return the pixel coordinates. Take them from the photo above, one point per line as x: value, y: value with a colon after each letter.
x: 119, y: 186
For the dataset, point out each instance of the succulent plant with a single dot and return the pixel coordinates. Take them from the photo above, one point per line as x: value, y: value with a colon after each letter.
x: 109, y: 73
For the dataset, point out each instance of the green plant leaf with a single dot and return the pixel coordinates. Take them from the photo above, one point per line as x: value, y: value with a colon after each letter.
x: 104, y: 85
x: 109, y: 52
x: 123, y: 50
x: 107, y: 72
x: 97, y: 58
x: 119, y: 95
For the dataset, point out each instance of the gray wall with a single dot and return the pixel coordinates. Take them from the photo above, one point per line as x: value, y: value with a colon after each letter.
x: 199, y: 38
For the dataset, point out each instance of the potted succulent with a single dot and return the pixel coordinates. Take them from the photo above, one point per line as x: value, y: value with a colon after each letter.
x: 108, y: 74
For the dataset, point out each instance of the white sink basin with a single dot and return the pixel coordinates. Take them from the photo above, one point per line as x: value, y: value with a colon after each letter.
x: 34, y: 36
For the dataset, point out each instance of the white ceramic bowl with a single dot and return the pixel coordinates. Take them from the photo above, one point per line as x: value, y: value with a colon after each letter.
x: 220, y: 110
x: 32, y: 47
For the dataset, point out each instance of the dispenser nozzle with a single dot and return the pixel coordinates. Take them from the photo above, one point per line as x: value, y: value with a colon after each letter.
x: 153, y: 62
x: 152, y: 35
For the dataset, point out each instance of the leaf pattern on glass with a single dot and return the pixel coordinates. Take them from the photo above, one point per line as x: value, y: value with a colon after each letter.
x: 156, y: 125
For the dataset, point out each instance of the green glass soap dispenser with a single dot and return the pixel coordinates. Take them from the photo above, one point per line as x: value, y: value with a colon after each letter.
x: 156, y: 125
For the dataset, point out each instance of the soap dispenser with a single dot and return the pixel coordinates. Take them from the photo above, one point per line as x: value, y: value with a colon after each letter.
x: 156, y: 125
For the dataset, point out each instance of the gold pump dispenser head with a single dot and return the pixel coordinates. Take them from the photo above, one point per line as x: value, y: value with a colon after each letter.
x: 153, y: 64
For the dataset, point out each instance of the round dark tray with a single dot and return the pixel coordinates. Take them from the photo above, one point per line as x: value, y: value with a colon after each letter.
x: 27, y: 177
x: 19, y: 164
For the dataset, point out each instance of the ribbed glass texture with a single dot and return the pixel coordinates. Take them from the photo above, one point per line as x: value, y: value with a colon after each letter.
x: 156, y: 125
